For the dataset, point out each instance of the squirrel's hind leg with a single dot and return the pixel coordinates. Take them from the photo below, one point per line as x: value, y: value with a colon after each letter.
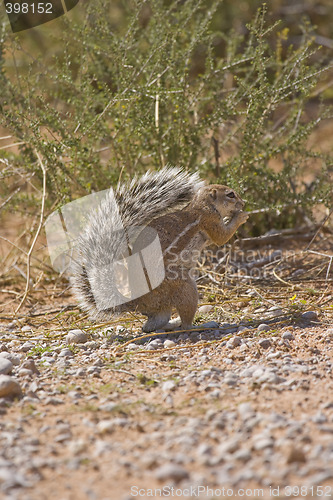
x: 186, y: 302
x: 156, y: 321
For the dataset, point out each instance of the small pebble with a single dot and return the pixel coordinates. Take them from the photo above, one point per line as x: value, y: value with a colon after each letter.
x: 29, y: 364
x: 109, y: 426
x: 263, y: 327
x: 205, y: 309
x: 231, y: 380
x: 234, y: 342
x: 263, y: 443
x: 154, y: 344
x: 23, y: 372
x: 66, y: 353
x: 265, y: 343
x: 245, y: 410
x: 27, y: 346
x: 296, y: 455
x: 9, y: 387
x: 211, y: 324
x: 109, y: 407
x: 6, y: 366
x: 80, y: 372
x: 76, y: 337
x: 15, y: 360
x: 274, y: 312
x: 132, y: 347
x: 26, y: 328
x: 329, y: 333
x: 288, y: 336
x: 231, y: 445
x: 168, y: 385
x: 243, y: 455
x: 310, y: 316
x: 171, y: 472
x: 169, y: 343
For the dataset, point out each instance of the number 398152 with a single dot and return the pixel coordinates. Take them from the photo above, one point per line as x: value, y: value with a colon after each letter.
x: 25, y: 8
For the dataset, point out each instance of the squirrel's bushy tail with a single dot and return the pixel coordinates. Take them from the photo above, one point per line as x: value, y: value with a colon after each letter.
x: 105, y: 238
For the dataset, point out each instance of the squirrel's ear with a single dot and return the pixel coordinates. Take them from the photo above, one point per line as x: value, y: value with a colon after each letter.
x: 213, y: 194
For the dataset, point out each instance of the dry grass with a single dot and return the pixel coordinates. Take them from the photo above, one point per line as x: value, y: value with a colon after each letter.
x: 250, y: 282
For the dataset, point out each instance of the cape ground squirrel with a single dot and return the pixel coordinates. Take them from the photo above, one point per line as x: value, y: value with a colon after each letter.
x: 140, y: 246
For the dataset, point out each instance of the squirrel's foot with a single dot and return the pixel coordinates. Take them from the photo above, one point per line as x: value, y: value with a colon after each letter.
x: 188, y: 326
x: 156, y: 322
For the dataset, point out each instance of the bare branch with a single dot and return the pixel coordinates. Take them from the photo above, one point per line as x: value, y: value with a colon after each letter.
x: 36, y: 235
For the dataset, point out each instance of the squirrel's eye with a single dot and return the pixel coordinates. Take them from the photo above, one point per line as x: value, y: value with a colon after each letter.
x: 231, y: 195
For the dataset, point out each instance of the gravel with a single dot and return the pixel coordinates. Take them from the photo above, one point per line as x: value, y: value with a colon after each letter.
x: 236, y: 413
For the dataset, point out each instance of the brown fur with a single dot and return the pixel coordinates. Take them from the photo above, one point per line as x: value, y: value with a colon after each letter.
x: 183, y: 234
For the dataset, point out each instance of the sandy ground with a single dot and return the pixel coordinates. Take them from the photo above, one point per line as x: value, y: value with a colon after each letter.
x: 247, y: 415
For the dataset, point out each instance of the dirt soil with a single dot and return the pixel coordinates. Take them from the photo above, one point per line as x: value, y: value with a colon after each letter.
x: 240, y: 409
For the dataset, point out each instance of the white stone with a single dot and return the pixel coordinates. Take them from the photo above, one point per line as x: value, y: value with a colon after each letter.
x: 205, y: 309
x: 168, y: 386
x: 245, y: 410
x: 263, y: 327
x: 169, y: 343
x: 229, y: 446
x: 171, y: 471
x: 8, y: 355
x: 6, y: 366
x: 26, y: 328
x: 109, y: 426
x: 76, y: 337
x: 9, y: 387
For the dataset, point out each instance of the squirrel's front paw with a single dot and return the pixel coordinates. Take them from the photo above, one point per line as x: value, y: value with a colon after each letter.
x: 241, y: 217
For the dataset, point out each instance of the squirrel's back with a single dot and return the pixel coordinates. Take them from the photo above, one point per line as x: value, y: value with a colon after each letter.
x: 105, y: 238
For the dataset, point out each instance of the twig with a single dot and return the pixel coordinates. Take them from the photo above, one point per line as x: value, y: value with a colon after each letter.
x: 12, y: 145
x: 275, y: 238
x: 36, y: 235
x: 10, y: 197
x: 121, y: 371
x: 325, y: 219
x: 13, y: 244
x: 217, y: 156
x: 330, y: 257
x: 119, y: 178
x: 157, y: 105
x: 328, y: 269
x: 282, y: 281
x: 19, y: 270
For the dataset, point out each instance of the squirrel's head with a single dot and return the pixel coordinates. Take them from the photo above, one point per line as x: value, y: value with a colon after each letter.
x: 221, y: 198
